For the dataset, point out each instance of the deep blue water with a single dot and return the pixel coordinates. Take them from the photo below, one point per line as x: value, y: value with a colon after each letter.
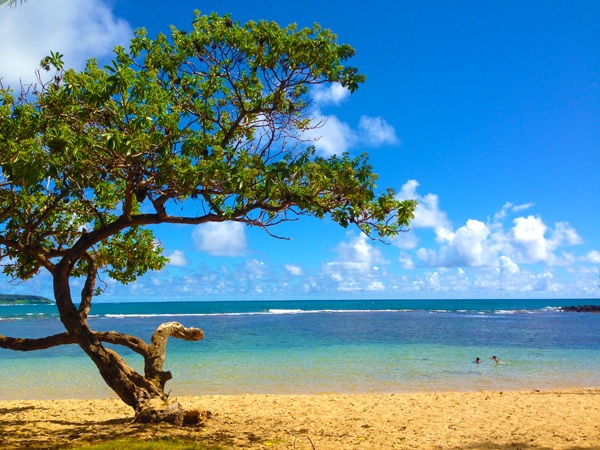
x: 323, y: 346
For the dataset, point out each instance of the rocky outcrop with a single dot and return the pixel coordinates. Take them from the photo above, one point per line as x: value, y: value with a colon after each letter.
x: 582, y: 308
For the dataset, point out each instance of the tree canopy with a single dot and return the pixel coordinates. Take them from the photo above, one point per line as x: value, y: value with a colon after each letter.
x: 212, y: 119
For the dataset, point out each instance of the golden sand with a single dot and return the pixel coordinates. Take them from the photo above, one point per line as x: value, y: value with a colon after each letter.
x: 450, y: 420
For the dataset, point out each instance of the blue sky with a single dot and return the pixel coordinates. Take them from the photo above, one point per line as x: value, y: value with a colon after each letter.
x: 486, y: 112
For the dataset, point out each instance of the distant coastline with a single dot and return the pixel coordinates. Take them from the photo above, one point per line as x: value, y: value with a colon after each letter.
x: 10, y: 299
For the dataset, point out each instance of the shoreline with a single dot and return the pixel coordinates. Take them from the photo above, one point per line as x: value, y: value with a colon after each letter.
x: 558, y: 419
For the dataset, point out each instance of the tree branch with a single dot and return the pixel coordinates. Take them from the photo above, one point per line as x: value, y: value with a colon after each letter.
x: 30, y: 344
x: 153, y: 368
x: 87, y: 293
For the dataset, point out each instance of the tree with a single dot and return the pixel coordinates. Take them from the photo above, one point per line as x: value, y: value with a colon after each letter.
x: 9, y: 3
x: 210, y: 119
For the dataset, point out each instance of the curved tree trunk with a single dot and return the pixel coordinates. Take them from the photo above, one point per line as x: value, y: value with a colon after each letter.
x: 145, y: 394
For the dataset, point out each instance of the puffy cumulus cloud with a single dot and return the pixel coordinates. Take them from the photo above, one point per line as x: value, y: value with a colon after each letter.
x: 177, y: 258
x: 469, y: 246
x: 564, y: 234
x: 487, y: 282
x: 255, y: 268
x: 528, y: 236
x: 332, y: 94
x: 427, y: 213
x: 593, y: 256
x: 481, y: 244
x: 507, y: 266
x: 331, y: 136
x: 375, y: 286
x: 375, y: 132
x: 294, y: 270
x: 477, y: 244
x: 358, y: 266
x: 531, y: 243
x: 221, y: 238
x: 359, y: 255
x: 544, y: 282
x: 79, y: 29
x: 406, y: 261
x: 406, y: 240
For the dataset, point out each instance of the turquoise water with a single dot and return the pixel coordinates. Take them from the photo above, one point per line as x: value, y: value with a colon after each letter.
x: 323, y: 346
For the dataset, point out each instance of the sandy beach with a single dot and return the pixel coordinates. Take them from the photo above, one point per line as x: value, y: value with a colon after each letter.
x: 450, y: 420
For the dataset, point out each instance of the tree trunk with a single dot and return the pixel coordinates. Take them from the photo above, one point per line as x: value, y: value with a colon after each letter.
x: 145, y: 394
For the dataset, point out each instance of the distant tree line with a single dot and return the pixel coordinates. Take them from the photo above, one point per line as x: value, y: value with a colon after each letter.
x: 23, y: 299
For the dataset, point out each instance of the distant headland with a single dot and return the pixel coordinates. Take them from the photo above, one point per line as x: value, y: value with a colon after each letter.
x: 582, y: 308
x: 10, y: 299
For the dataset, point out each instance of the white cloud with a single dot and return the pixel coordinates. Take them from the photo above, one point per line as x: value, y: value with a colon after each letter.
x: 294, y: 270
x: 79, y: 29
x: 406, y: 240
x: 359, y: 255
x: 528, y: 235
x: 406, y: 262
x: 531, y: 243
x: 358, y: 266
x: 593, y: 256
x: 376, y: 286
x: 508, y: 206
x: 255, y: 269
x: 177, y: 258
x: 469, y: 246
x: 564, y: 234
x: 375, y: 131
x: 508, y: 266
x: 502, y: 213
x: 333, y: 94
x: 221, y: 238
x: 485, y: 245
x: 543, y: 282
x: 332, y: 136
x: 518, y: 208
x: 427, y: 212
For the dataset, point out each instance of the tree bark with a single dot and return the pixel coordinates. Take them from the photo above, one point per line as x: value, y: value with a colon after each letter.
x: 145, y: 394
x: 153, y: 364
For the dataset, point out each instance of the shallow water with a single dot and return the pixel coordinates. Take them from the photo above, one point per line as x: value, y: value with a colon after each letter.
x: 315, y: 347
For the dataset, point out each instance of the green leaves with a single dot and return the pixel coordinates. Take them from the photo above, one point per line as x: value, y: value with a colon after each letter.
x: 134, y: 244
x: 54, y: 60
x: 201, y: 125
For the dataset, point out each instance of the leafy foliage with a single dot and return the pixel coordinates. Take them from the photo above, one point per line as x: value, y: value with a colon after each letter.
x: 9, y: 299
x: 201, y: 126
x: 9, y: 3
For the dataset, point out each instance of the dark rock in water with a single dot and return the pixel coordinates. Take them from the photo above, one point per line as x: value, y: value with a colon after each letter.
x: 582, y: 308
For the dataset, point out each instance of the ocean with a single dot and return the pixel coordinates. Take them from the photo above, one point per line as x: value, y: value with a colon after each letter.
x: 311, y: 347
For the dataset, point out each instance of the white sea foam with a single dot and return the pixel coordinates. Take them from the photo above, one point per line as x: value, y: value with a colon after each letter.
x: 287, y: 311
x: 336, y: 311
x: 146, y: 316
x: 257, y: 313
